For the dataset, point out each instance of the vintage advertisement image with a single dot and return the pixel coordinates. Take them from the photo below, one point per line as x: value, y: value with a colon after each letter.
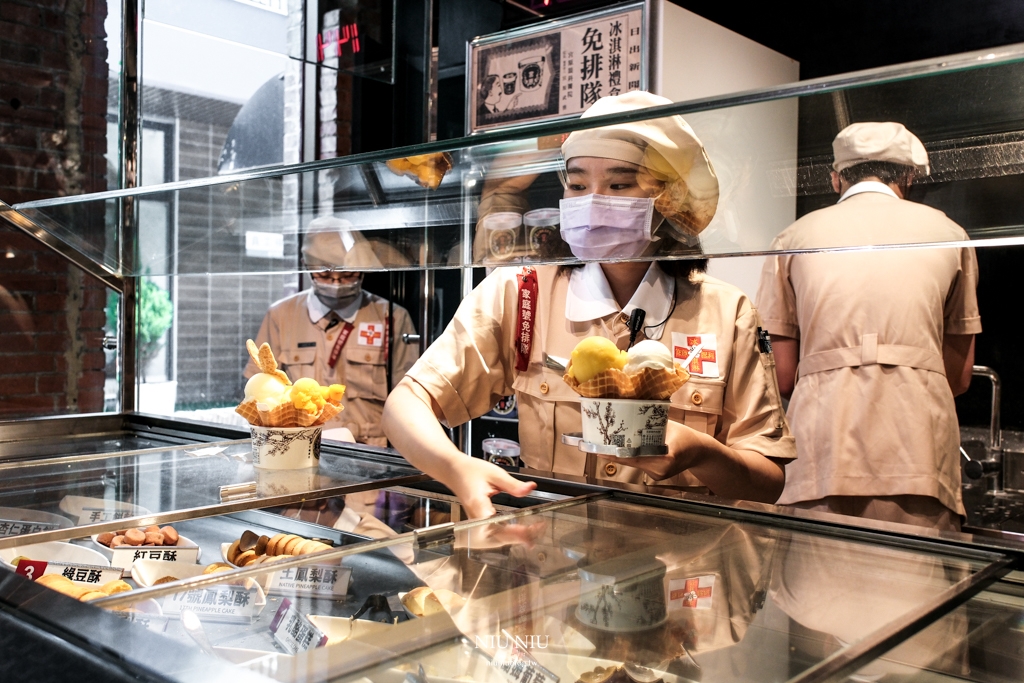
x: 518, y: 80
x: 555, y: 72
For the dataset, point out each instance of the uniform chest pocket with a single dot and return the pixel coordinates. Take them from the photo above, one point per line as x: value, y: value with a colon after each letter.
x: 699, y: 403
x: 365, y: 373
x: 298, y: 362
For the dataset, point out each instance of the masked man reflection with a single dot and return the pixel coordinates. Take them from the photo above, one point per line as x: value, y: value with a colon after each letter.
x: 633, y: 190
x: 336, y: 332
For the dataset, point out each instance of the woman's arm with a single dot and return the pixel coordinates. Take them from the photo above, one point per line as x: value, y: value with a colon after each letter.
x: 728, y: 472
x: 411, y: 423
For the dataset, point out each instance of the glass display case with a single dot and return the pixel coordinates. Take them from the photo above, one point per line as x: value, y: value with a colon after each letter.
x: 380, y: 577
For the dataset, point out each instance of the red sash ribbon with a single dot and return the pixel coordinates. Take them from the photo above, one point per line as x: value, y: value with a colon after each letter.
x: 342, y: 338
x: 527, y: 317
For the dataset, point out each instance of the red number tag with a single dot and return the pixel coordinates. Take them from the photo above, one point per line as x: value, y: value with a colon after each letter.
x: 32, y: 569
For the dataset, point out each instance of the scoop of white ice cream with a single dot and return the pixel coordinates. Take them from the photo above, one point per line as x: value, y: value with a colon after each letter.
x: 648, y: 354
x: 264, y: 388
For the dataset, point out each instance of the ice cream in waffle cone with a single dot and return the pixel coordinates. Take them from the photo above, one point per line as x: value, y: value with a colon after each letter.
x: 271, y: 400
x: 645, y: 372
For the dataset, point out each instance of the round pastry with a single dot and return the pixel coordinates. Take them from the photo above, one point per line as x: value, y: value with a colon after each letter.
x: 245, y: 558
x: 134, y: 537
x: 232, y: 552
x: 151, y: 529
x: 217, y: 567
x: 275, y: 540
x: 117, y: 541
x: 154, y: 538
x: 115, y: 586
x: 170, y: 535
x: 165, y: 579
x: 91, y: 595
x: 291, y: 545
x: 105, y: 538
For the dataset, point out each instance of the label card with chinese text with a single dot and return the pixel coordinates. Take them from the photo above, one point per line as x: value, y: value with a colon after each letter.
x: 519, y: 666
x: 314, y: 581
x: 125, y: 555
x: 293, y: 631
x: 151, y: 622
x: 219, y: 603
x: 14, y: 527
x: 84, y: 574
x: 557, y: 69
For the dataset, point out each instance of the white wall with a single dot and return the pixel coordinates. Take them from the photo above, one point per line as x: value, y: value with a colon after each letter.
x: 753, y: 147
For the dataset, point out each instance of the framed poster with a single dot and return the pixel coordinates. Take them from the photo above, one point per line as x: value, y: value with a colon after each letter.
x: 555, y: 69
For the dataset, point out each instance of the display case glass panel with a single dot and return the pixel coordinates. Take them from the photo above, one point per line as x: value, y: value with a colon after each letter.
x: 565, y: 588
x: 424, y: 207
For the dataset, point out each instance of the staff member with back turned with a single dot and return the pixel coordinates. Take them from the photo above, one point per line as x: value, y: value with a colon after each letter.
x: 337, y: 333
x: 634, y: 190
x: 877, y: 343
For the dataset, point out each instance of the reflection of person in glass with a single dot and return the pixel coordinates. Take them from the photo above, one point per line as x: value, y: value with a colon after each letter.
x: 634, y: 190
x: 876, y: 343
x: 337, y: 333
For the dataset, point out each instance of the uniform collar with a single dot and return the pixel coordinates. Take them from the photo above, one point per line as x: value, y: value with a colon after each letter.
x: 318, y: 311
x: 868, y: 186
x: 590, y: 297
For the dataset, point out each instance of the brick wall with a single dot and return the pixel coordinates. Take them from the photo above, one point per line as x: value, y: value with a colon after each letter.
x: 53, y: 102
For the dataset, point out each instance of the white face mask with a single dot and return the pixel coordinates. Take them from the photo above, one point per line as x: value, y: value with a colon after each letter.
x: 337, y: 295
x: 598, y: 227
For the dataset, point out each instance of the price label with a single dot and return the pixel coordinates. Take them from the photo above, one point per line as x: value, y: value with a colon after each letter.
x: 125, y: 555
x: 219, y: 603
x: 314, y: 581
x: 294, y: 631
x: 12, y: 527
x: 85, y: 574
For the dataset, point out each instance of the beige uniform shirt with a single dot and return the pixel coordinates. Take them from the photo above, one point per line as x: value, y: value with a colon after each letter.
x: 872, y: 412
x: 303, y: 348
x: 472, y: 364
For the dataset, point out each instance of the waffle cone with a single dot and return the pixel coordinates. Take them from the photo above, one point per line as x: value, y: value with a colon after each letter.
x: 658, y: 383
x: 286, y: 415
x: 648, y: 384
x: 611, y: 383
x: 250, y: 412
x: 328, y: 413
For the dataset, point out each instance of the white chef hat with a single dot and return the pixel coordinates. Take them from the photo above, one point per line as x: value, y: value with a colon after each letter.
x: 879, y: 141
x: 667, y: 150
x: 330, y: 242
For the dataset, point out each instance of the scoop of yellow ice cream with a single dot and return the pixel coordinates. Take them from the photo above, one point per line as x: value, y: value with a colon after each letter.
x: 306, y: 395
x: 265, y: 388
x: 594, y: 355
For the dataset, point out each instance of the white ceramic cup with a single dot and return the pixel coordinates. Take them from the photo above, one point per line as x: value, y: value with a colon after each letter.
x: 282, y: 482
x: 285, y: 448
x: 626, y: 423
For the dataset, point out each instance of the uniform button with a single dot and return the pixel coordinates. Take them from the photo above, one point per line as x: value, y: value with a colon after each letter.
x: 295, y: 358
x: 696, y: 399
x: 367, y: 358
x: 610, y: 469
x: 541, y: 557
x: 624, y: 318
x: 544, y: 387
x: 330, y: 337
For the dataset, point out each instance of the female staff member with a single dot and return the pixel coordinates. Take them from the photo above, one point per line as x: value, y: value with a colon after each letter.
x: 634, y: 190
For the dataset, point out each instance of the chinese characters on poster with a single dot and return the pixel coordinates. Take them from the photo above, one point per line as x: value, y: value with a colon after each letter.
x: 558, y: 72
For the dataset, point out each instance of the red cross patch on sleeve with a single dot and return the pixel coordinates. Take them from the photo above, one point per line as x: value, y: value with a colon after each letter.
x: 370, y: 334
